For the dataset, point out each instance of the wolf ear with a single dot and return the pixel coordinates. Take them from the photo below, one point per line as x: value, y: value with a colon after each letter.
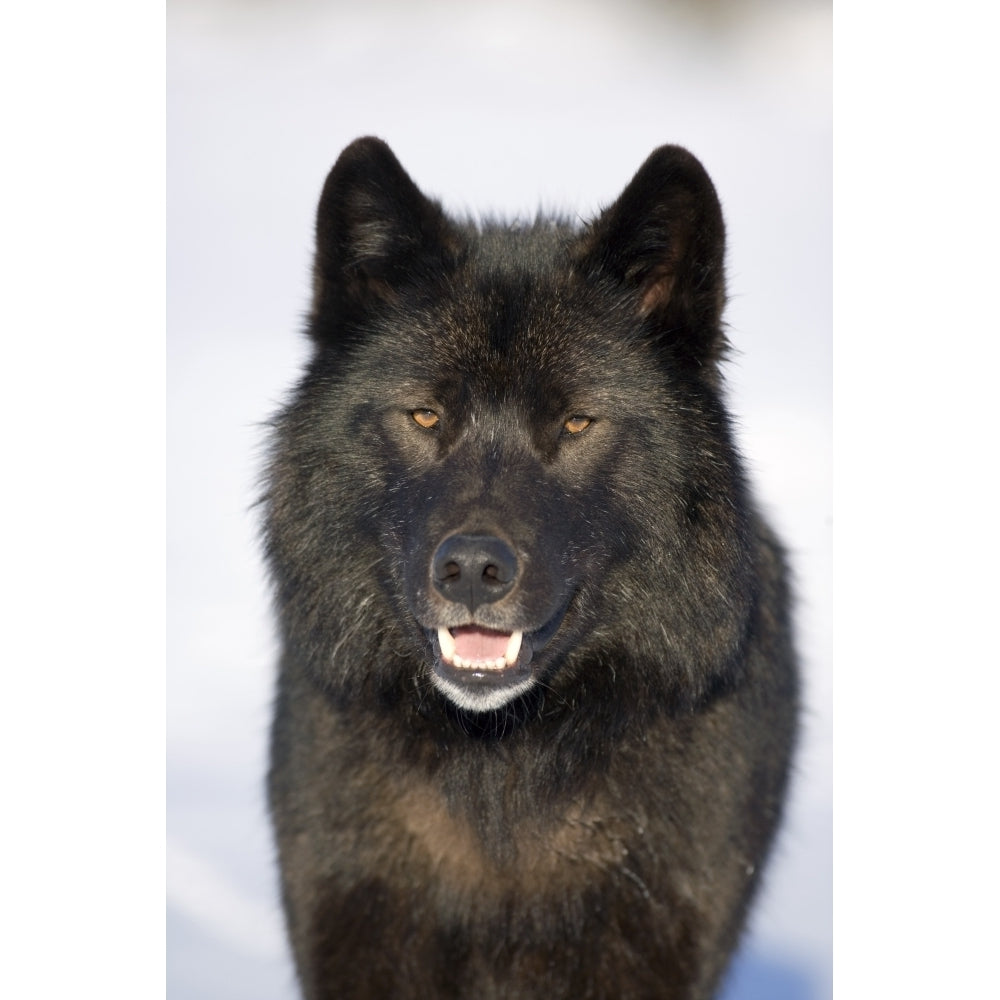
x: 663, y: 243
x: 375, y: 235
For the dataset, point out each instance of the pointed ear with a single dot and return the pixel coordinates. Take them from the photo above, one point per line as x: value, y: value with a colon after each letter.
x: 663, y: 243
x: 376, y: 235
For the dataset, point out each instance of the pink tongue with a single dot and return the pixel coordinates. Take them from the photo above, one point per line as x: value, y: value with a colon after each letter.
x: 475, y: 644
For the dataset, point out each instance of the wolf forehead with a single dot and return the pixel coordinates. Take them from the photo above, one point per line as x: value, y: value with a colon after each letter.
x: 513, y: 314
x: 497, y: 331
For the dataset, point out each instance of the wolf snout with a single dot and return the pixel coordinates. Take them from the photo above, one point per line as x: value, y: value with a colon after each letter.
x: 474, y: 569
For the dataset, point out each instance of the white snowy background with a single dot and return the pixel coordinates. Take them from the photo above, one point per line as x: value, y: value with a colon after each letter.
x: 491, y: 107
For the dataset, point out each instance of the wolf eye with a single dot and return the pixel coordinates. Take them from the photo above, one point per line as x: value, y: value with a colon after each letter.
x: 575, y: 425
x: 425, y: 418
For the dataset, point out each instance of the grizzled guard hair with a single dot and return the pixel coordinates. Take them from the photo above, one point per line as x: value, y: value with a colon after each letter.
x: 537, y: 697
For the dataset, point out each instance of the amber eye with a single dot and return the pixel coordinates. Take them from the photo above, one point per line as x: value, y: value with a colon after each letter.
x: 425, y: 418
x: 574, y: 425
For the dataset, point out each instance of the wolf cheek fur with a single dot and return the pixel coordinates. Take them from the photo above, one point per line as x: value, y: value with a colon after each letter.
x: 537, y: 698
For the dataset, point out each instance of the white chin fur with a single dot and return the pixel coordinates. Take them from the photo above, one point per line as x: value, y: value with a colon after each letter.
x: 484, y: 699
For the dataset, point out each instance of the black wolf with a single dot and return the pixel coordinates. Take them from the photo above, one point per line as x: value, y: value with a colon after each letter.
x: 538, y: 697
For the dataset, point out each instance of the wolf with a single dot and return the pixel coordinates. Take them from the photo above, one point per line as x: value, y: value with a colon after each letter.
x: 538, y: 697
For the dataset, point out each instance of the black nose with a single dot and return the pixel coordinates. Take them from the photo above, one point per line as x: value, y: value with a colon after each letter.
x: 474, y: 569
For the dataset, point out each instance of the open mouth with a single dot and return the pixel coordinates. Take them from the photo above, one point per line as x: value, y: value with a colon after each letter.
x: 473, y: 649
x: 480, y: 669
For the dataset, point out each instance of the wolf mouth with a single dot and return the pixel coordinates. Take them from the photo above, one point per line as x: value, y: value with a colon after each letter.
x: 470, y: 659
x: 469, y: 647
x: 480, y: 668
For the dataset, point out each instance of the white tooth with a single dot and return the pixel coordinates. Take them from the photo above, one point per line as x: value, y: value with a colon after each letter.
x: 447, y: 643
x: 513, y: 648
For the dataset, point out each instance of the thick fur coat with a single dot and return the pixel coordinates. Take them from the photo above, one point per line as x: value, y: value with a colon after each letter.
x: 538, y: 697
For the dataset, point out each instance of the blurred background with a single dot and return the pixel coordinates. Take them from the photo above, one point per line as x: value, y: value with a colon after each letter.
x: 500, y: 108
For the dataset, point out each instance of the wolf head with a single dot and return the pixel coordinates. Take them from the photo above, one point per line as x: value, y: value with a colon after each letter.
x: 509, y: 455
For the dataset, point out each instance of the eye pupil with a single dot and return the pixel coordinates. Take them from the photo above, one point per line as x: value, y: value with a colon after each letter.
x: 574, y: 425
x: 425, y: 418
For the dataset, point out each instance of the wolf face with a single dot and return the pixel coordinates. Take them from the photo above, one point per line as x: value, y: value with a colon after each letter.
x: 509, y: 384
